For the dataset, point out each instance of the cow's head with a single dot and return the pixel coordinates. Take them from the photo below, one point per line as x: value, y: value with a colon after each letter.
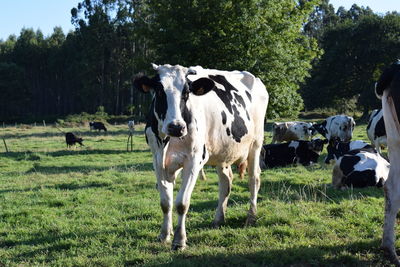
x: 346, y: 128
x: 319, y: 128
x: 317, y: 145
x: 172, y: 90
x: 333, y: 150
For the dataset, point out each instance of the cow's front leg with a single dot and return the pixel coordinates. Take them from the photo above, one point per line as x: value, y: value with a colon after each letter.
x: 165, y: 189
x: 225, y: 184
x: 189, y: 176
x: 392, y: 205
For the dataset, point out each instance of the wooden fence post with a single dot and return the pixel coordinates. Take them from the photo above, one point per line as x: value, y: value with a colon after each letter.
x: 5, y: 145
x: 44, y: 123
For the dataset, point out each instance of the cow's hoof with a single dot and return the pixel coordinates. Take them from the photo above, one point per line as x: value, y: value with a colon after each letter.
x: 216, y: 224
x: 164, y: 238
x: 251, y: 220
x: 178, y: 247
x: 391, y: 255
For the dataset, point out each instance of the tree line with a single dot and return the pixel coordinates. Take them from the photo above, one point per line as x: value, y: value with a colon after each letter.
x: 308, y: 55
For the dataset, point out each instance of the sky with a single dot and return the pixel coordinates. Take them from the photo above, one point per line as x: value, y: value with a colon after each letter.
x: 46, y: 14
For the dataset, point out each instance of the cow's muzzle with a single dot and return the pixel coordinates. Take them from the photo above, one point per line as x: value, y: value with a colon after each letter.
x: 176, y: 130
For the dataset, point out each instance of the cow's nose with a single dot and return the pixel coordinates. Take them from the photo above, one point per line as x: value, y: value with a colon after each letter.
x: 176, y: 130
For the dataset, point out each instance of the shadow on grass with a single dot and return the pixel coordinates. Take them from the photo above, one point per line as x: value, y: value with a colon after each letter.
x: 87, y: 168
x: 313, y: 255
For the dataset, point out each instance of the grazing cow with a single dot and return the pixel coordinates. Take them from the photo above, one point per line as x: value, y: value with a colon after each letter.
x: 96, y: 125
x: 300, y: 151
x: 71, y: 139
x: 336, y: 148
x: 341, y: 126
x: 201, y: 116
x: 290, y: 131
x: 376, y: 129
x: 358, y: 168
x: 388, y: 89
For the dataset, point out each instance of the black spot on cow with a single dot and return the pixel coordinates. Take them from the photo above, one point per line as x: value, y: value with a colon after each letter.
x: 228, y: 132
x: 225, y: 95
x: 152, y: 122
x: 204, y: 152
x: 240, y: 100
x: 360, y: 179
x: 238, y: 127
x: 347, y: 163
x: 161, y: 104
x: 380, y: 128
x: 223, y: 114
x: 371, y: 119
x: 248, y: 95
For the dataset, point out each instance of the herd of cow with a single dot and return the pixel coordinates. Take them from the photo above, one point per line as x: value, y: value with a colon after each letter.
x: 357, y: 163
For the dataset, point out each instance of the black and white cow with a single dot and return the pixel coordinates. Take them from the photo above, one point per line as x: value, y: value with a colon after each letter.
x: 290, y: 131
x: 358, y: 168
x: 341, y: 126
x: 300, y: 151
x: 97, y: 125
x: 201, y: 116
x: 388, y: 89
x: 376, y: 129
x: 337, y: 148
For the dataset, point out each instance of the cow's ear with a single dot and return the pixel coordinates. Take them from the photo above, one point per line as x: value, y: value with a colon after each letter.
x: 202, y: 86
x: 143, y: 84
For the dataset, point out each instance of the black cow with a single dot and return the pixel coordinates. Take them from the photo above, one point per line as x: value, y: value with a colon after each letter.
x: 336, y: 148
x: 96, y: 125
x: 358, y: 168
x: 71, y: 139
x: 300, y: 151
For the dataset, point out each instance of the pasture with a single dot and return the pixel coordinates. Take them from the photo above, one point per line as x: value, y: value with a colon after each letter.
x: 97, y: 205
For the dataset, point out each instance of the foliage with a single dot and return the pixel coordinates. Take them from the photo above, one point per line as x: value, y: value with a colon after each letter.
x: 261, y: 36
x: 356, y: 49
x: 98, y: 206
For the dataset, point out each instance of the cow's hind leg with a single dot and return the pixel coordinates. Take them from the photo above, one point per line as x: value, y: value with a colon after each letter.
x: 254, y: 182
x: 392, y: 205
x: 225, y: 184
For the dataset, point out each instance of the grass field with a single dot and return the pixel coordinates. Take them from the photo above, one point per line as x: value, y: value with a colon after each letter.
x: 98, y: 206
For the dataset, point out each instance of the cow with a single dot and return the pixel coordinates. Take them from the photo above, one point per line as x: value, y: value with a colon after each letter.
x: 358, y: 168
x: 71, y: 139
x: 376, y: 130
x: 388, y: 90
x: 290, y: 131
x: 337, y: 148
x: 200, y: 116
x: 300, y: 151
x: 341, y: 126
x: 96, y: 125
x: 131, y: 127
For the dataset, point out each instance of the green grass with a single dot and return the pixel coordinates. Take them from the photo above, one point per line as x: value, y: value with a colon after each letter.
x: 98, y: 206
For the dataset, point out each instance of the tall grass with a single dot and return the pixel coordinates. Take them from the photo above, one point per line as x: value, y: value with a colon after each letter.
x: 97, y: 205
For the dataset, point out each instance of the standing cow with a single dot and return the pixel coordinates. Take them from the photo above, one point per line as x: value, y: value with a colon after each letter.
x: 340, y: 126
x: 201, y: 116
x: 376, y: 129
x: 388, y: 89
x: 290, y: 131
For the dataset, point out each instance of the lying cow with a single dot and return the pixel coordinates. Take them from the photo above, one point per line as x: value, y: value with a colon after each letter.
x: 96, y: 125
x: 300, y: 151
x: 290, y: 131
x: 71, y: 139
x: 358, y: 168
x: 376, y: 129
x: 336, y: 148
x: 388, y: 89
x: 201, y: 116
x: 340, y: 126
